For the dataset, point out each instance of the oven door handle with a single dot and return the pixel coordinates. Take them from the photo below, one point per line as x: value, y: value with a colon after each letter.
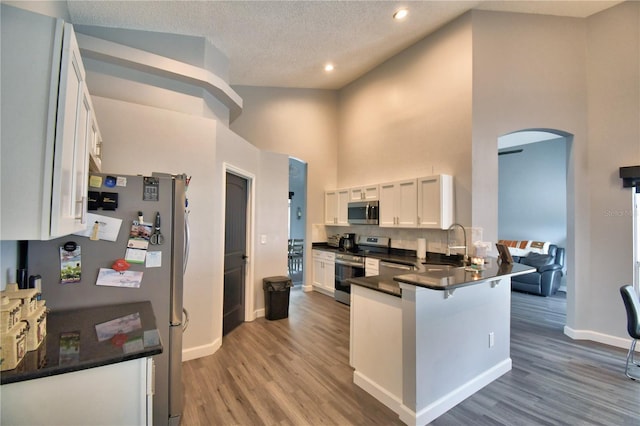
x: 356, y: 264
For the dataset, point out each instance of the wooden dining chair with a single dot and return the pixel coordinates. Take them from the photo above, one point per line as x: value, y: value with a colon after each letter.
x: 297, y: 252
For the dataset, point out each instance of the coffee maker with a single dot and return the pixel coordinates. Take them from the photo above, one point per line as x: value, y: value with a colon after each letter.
x: 348, y: 242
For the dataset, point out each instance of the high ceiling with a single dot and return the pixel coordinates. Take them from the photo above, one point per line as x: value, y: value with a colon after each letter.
x: 287, y: 43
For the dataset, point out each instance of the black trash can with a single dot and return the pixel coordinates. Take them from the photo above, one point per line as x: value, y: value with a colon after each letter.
x: 276, y: 297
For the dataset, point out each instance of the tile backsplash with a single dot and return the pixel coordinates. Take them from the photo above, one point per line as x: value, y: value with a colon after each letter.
x: 404, y: 238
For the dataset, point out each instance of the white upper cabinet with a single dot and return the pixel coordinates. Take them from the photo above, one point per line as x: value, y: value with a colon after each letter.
x: 335, y: 207
x: 71, y: 154
x: 95, y: 145
x: 364, y: 193
x: 435, y: 202
x: 330, y: 207
x: 398, y: 204
x: 47, y: 128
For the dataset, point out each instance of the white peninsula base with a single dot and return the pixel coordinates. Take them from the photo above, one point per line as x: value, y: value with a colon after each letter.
x: 115, y: 394
x: 427, y: 351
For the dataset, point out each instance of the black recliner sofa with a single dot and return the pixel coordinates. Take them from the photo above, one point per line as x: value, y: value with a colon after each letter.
x: 549, y: 271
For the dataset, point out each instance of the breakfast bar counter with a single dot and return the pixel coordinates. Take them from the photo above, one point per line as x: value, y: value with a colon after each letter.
x: 441, y: 277
x: 437, y: 338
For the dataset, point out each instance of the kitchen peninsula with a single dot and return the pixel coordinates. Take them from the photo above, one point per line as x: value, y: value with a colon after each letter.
x: 94, y: 367
x: 423, y: 342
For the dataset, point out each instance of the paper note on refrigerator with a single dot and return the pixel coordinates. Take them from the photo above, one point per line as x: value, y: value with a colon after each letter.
x: 154, y: 259
x: 108, y: 227
x: 135, y: 255
x: 112, y: 278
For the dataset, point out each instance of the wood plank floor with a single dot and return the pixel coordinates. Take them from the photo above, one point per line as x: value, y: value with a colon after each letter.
x: 295, y: 371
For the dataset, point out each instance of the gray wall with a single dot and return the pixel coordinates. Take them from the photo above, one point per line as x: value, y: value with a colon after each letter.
x: 532, y: 194
x: 613, y: 79
x: 479, y: 79
x: 444, y: 103
x: 301, y: 123
x: 412, y: 116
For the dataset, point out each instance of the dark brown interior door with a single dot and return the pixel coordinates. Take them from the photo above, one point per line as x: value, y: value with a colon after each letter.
x: 235, y: 241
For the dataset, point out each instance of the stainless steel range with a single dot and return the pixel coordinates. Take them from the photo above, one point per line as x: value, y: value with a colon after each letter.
x: 347, y: 266
x: 351, y: 265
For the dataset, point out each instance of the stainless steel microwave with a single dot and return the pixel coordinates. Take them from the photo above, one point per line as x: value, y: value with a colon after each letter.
x: 363, y: 213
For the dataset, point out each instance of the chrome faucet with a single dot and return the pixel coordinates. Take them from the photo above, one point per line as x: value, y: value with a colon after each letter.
x: 449, y: 246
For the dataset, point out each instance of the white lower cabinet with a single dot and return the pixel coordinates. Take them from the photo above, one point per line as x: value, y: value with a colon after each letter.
x: 116, y: 394
x: 324, y: 265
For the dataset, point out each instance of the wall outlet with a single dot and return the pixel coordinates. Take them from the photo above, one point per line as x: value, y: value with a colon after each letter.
x: 491, y: 339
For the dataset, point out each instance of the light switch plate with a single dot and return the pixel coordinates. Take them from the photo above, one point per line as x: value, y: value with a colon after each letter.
x: 263, y: 239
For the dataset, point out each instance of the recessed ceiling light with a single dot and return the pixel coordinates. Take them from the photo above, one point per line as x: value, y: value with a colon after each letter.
x: 328, y: 67
x: 400, y: 14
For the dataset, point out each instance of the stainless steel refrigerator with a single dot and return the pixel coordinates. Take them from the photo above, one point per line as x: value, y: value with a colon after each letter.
x: 162, y: 284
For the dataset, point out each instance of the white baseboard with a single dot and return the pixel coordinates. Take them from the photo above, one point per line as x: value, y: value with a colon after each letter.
x: 378, y: 392
x: 606, y: 339
x: 201, y: 351
x: 453, y: 398
x: 326, y: 292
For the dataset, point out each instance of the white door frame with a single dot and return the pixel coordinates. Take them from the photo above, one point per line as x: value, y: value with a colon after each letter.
x: 249, y: 300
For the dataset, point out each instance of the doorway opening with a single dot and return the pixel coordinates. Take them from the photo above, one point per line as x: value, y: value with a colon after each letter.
x: 297, y: 220
x: 533, y: 196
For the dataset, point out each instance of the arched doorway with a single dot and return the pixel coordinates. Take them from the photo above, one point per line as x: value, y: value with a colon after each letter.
x: 534, y: 198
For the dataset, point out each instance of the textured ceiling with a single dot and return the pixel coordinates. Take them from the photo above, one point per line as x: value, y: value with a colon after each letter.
x: 286, y: 43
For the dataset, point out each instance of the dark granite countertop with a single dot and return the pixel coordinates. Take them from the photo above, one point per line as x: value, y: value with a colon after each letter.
x: 379, y: 283
x: 437, y: 272
x: 437, y: 277
x: 407, y: 257
x: 441, y: 277
x: 79, y: 339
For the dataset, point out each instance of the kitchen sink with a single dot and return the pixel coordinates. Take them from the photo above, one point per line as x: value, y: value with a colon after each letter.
x: 437, y: 267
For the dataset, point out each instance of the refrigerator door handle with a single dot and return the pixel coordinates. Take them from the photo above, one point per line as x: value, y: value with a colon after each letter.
x: 185, y: 321
x: 187, y: 241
